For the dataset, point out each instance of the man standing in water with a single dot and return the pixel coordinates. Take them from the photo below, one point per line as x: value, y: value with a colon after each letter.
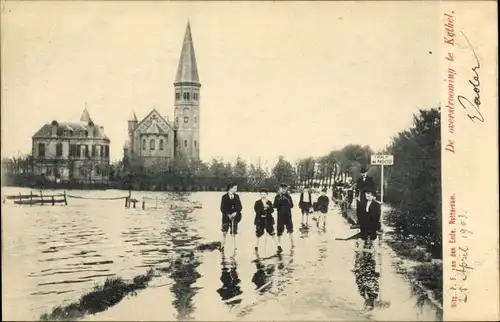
x: 369, y: 219
x: 305, y: 204
x: 284, y: 204
x: 264, y: 220
x: 230, y: 207
x: 363, y: 184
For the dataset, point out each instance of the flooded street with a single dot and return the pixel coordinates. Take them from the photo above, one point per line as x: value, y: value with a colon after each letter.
x: 52, y: 255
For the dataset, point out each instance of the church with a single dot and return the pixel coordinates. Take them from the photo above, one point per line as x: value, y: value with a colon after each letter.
x: 157, y: 140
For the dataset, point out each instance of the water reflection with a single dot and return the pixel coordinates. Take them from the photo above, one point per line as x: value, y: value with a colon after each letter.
x: 230, y: 289
x: 263, y: 277
x: 367, y: 278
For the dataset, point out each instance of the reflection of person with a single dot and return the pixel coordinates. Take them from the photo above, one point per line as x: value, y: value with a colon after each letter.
x: 305, y: 204
x: 323, y: 203
x: 364, y: 183
x: 230, y: 208
x: 230, y: 282
x: 262, y: 276
x: 284, y: 204
x: 367, y: 278
x: 264, y: 219
x: 369, y: 218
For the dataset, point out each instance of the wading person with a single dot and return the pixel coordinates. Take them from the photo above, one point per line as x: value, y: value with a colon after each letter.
x: 363, y: 184
x: 305, y: 205
x: 369, y: 219
x: 230, y: 207
x: 284, y: 204
x: 264, y: 221
x: 322, y: 205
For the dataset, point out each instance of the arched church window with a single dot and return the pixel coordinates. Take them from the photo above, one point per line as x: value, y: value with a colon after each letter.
x: 144, y: 144
x: 186, y: 96
x: 177, y: 96
x: 195, y: 96
x: 186, y: 119
x: 152, y: 144
x: 185, y: 143
x: 161, y: 144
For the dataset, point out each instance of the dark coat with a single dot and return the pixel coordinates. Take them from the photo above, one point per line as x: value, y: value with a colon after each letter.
x: 228, y: 206
x: 364, y: 185
x: 370, y: 221
x: 262, y: 214
x: 322, y: 204
x: 305, y: 205
x: 283, y: 204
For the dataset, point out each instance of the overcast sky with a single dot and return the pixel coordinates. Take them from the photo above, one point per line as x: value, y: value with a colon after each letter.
x: 293, y: 79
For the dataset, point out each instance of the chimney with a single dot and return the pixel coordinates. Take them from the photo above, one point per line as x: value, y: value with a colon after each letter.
x: 54, y: 128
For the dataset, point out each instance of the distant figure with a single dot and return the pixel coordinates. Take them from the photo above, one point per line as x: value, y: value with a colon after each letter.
x: 363, y: 184
x: 369, y: 219
x: 348, y: 188
x: 264, y: 220
x: 323, y: 203
x: 230, y: 207
x: 305, y: 205
x: 284, y: 204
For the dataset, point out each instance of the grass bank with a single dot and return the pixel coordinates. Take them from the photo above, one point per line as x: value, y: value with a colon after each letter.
x: 100, y: 298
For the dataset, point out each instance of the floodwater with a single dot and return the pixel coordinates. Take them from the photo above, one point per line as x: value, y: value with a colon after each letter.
x: 52, y: 255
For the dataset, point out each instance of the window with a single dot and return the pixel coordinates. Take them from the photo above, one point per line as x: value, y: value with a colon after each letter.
x: 185, y: 143
x: 186, y: 96
x: 102, y: 150
x: 93, y: 151
x: 177, y: 96
x: 86, y: 149
x: 186, y: 119
x: 195, y: 120
x: 86, y: 133
x: 106, y: 151
x: 78, y: 150
x: 98, y: 150
x: 59, y: 149
x: 144, y: 144
x: 41, y: 150
x: 177, y: 120
x: 152, y: 144
x: 97, y: 170
x: 195, y: 145
x: 195, y: 96
x: 161, y: 144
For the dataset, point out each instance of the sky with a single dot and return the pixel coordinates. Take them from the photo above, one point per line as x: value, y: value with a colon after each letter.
x: 296, y: 79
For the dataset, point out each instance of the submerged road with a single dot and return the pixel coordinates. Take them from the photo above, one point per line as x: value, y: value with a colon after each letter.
x: 322, y: 278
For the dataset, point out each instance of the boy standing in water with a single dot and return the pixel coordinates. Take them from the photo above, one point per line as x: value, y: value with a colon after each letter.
x: 284, y: 204
x: 230, y: 207
x: 369, y: 218
x: 323, y: 203
x: 305, y: 204
x: 264, y: 219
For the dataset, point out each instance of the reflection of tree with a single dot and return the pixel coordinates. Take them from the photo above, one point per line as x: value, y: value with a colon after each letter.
x: 184, y: 275
x: 367, y: 278
x: 230, y: 283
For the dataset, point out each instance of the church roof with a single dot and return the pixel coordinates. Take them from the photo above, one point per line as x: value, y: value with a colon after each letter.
x: 132, y: 116
x: 154, y: 128
x: 187, y: 72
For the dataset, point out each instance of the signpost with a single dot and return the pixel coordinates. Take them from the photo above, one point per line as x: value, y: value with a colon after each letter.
x: 381, y: 160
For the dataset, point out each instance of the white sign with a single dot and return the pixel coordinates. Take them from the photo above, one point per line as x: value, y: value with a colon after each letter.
x: 380, y: 159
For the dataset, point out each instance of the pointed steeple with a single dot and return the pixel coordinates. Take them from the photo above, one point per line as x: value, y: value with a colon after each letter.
x: 132, y: 117
x: 187, y: 72
x: 85, y: 115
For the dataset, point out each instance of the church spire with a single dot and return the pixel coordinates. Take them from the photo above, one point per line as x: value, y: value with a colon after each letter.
x: 187, y: 72
x: 85, y: 117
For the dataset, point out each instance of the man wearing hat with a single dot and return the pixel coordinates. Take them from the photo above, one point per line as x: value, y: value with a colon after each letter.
x: 230, y: 207
x: 363, y: 184
x: 284, y: 204
x: 369, y: 218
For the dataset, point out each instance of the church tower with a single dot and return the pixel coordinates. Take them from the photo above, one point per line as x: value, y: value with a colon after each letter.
x: 187, y: 101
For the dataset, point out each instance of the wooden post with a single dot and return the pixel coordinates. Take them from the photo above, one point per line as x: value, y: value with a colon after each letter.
x: 126, y: 202
x: 31, y: 198
x: 143, y: 204
x: 65, y: 200
x: 53, y: 201
x: 20, y: 198
x: 41, y: 198
x: 134, y: 202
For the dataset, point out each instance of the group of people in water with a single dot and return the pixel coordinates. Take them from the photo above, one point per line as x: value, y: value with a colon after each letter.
x: 368, y: 211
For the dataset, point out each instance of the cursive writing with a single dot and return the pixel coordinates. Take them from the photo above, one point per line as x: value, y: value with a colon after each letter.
x: 472, y: 108
x: 464, y: 267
